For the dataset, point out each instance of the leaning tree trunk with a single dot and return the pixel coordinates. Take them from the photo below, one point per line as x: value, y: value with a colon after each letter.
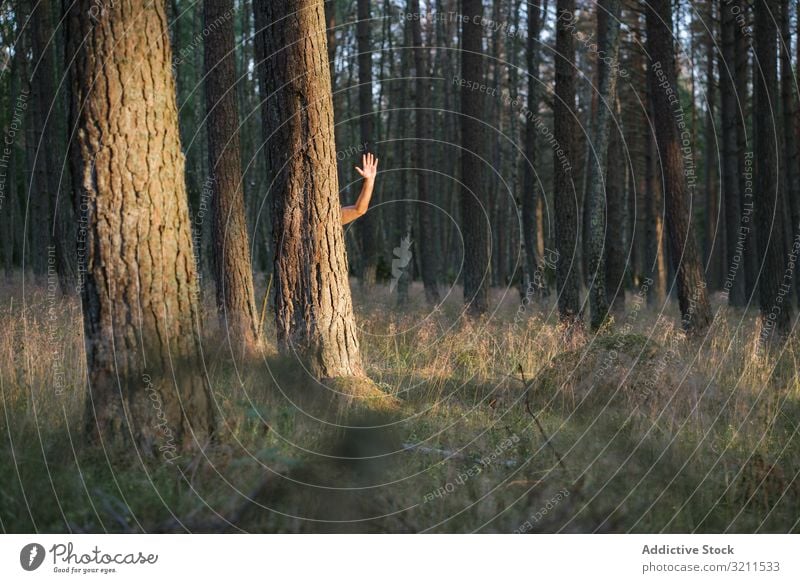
x: 428, y: 260
x: 314, y: 312
x: 608, y: 12
x: 475, y: 228
x: 565, y: 196
x: 668, y: 115
x: 734, y: 229
x: 232, y: 267
x: 367, y: 226
x: 139, y: 289
x: 773, y: 287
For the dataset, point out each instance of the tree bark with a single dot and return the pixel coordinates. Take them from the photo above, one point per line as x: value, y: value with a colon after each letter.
x: 474, y: 210
x: 530, y: 188
x: 429, y: 261
x: 608, y: 12
x: 314, y: 313
x: 668, y: 119
x: 232, y: 268
x: 139, y: 292
x: 734, y: 229
x: 776, y: 312
x: 791, y: 174
x: 367, y: 225
x: 565, y: 195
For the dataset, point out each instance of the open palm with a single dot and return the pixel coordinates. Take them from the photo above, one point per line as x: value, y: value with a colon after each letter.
x: 369, y: 166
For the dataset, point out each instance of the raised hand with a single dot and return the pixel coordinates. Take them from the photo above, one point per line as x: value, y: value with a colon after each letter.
x: 369, y: 166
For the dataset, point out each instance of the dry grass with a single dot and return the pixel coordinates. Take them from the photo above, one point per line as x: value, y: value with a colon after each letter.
x: 657, y: 432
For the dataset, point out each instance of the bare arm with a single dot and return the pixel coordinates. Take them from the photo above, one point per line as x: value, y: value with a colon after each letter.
x: 369, y: 169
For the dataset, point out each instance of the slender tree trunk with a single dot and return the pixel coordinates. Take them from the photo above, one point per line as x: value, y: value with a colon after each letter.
x: 140, y: 286
x: 565, y: 195
x: 232, y: 268
x: 791, y: 174
x: 776, y: 312
x: 734, y: 229
x: 530, y: 186
x: 475, y: 227
x: 616, y: 248
x: 714, y: 236
x: 314, y: 312
x: 429, y: 260
x: 746, y: 184
x: 668, y: 118
x: 367, y: 225
x: 608, y: 12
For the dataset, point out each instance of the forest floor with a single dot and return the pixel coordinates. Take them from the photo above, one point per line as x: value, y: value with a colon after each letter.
x: 637, y: 429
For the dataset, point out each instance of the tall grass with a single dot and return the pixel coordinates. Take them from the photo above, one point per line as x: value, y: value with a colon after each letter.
x: 503, y: 426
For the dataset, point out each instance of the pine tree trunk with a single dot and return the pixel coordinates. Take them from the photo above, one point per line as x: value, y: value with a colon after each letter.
x: 139, y: 292
x: 692, y: 294
x: 232, y: 267
x: 734, y: 229
x: 314, y: 313
x: 475, y: 228
x: 789, y: 160
x: 608, y: 12
x: 530, y: 187
x: 565, y: 195
x: 776, y: 312
x: 429, y: 260
x: 366, y: 225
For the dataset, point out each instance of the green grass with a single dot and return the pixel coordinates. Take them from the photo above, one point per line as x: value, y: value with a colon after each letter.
x: 657, y: 432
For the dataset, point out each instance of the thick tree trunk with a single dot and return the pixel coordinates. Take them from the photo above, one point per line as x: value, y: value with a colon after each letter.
x: 232, y: 267
x: 367, y: 225
x: 565, y: 195
x: 474, y: 211
x: 776, y: 309
x: 668, y: 119
x: 140, y: 286
x: 608, y: 12
x: 314, y: 313
x: 734, y: 229
x: 429, y: 260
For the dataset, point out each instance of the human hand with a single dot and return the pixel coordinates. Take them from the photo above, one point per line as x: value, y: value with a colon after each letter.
x: 369, y: 166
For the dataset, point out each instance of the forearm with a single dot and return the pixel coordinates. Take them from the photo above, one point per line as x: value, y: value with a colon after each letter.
x: 362, y: 203
x: 352, y: 212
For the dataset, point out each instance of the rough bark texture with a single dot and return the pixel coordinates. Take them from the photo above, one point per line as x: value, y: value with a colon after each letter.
x: 692, y: 295
x: 314, y: 313
x: 429, y: 260
x: 713, y: 236
x: 139, y: 287
x: 367, y: 225
x: 474, y: 211
x: 232, y: 267
x: 608, y: 12
x: 776, y: 310
x: 734, y: 229
x: 565, y: 196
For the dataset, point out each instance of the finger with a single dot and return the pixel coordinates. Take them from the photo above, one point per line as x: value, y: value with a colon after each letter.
x: 359, y: 170
x: 364, y: 160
